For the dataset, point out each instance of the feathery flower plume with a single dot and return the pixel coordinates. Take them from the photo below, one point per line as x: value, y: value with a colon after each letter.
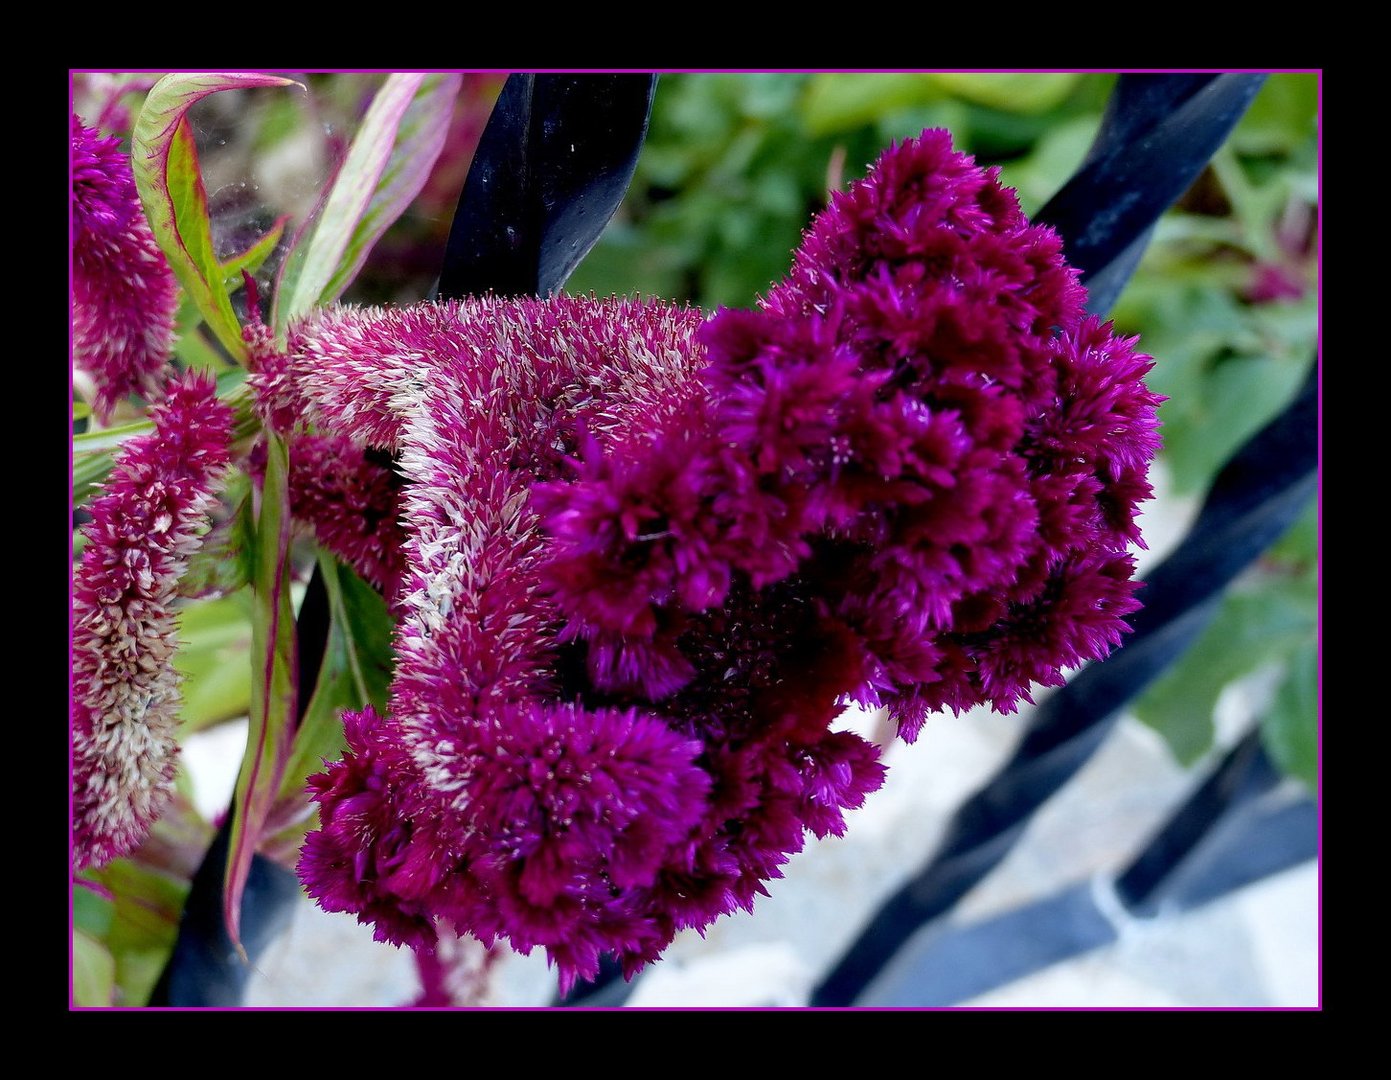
x: 649, y: 561
x: 511, y: 385
x: 124, y: 685
x: 350, y: 499
x: 124, y: 294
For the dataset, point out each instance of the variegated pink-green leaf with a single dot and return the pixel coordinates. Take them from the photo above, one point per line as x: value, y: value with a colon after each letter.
x: 356, y: 672
x: 165, y: 162
x: 386, y: 166
x: 274, y: 684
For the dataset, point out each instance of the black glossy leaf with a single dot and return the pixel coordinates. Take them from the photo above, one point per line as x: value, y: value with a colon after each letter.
x: 205, y: 969
x: 1256, y: 497
x: 1238, y: 825
x: 1245, y: 773
x: 1158, y: 134
x: 554, y: 163
x: 311, y: 627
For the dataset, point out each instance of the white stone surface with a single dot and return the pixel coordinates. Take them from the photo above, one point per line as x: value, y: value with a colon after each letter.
x: 1256, y: 948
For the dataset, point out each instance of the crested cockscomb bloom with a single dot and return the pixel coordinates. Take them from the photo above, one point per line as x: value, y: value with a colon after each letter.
x: 650, y: 559
x: 919, y: 432
x: 125, y: 693
x: 124, y: 295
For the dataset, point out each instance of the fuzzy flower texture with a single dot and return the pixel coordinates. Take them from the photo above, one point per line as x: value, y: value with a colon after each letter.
x: 648, y: 558
x: 125, y: 689
x: 123, y: 292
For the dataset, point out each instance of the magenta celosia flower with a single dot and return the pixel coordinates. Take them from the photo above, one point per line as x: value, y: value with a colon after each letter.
x: 125, y: 628
x: 124, y: 294
x: 903, y: 433
x: 649, y: 561
x: 351, y: 497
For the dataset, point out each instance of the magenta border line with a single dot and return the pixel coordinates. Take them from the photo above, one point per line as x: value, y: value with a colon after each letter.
x: 764, y: 71
x: 73, y: 1007
x: 1318, y: 795
x: 72, y: 955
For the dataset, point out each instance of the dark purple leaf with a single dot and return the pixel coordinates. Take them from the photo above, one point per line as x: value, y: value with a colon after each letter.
x: 1157, y: 135
x: 554, y: 163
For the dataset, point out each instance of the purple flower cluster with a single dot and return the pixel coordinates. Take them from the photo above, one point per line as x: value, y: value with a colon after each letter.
x: 124, y: 294
x: 649, y: 559
x: 125, y: 691
x: 918, y: 437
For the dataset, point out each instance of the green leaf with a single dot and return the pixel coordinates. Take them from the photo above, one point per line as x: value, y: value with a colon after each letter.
x: 273, y: 683
x: 1291, y: 728
x: 93, y: 972
x: 842, y: 102
x: 225, y: 560
x: 1300, y: 546
x: 1010, y: 92
x: 213, y: 660
x: 356, y: 672
x: 81, y: 410
x: 147, y: 891
x: 1251, y: 629
x: 108, y: 439
x: 386, y: 166
x: 1230, y: 402
x: 170, y: 183
x: 91, y: 912
x: 88, y: 473
x: 191, y: 345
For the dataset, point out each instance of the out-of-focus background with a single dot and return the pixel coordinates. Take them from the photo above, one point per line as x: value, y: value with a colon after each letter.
x: 733, y: 169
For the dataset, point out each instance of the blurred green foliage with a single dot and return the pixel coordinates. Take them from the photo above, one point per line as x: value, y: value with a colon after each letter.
x: 1225, y: 299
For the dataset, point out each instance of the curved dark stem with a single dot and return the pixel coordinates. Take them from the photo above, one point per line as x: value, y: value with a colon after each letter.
x: 1239, y: 825
x: 607, y: 989
x: 1157, y: 875
x: 1156, y: 137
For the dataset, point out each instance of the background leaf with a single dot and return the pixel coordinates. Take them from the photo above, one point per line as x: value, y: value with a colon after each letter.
x: 841, y: 102
x: 1010, y: 91
x: 386, y: 166
x: 214, y: 661
x: 552, y: 167
x: 1291, y: 729
x: 167, y: 176
x: 93, y: 971
x: 1250, y: 629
